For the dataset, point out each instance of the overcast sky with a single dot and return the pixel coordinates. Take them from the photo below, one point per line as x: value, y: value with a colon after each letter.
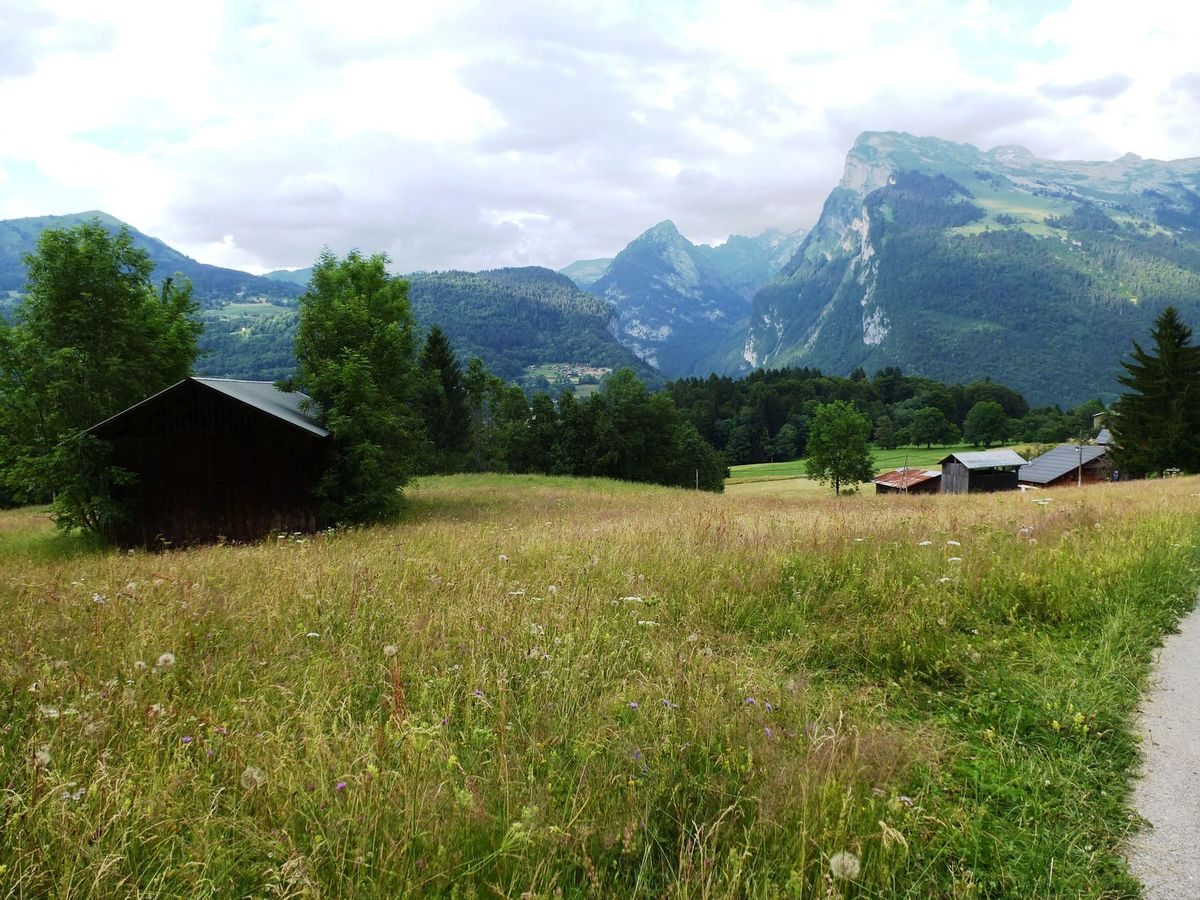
x: 507, y: 132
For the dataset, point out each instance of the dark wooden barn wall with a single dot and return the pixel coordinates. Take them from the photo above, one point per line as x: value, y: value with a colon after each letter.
x: 210, y: 467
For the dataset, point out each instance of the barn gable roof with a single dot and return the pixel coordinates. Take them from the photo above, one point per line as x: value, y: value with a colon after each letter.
x: 986, y: 459
x: 261, y: 395
x: 1104, y: 438
x: 1058, y: 462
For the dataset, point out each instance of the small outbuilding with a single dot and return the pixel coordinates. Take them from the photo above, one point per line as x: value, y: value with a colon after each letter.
x: 1066, y: 464
x: 981, y: 472
x: 1104, y: 438
x: 908, y: 481
x: 215, y: 458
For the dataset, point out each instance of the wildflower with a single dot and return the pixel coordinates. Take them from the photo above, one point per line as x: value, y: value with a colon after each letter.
x: 859, y: 540
x: 139, y: 664
x: 154, y: 710
x: 390, y: 650
x: 340, y: 786
x: 477, y: 694
x: 553, y: 589
x: 667, y: 704
x: 954, y: 559
x: 503, y: 557
x: 41, y: 759
x: 633, y: 704
x: 925, y: 544
x: 749, y: 701
x: 535, y: 629
x: 767, y: 705
x: 844, y: 865
x: 186, y: 739
x: 253, y: 777
x: 944, y: 579
x: 767, y: 731
x: 313, y: 634
x: 99, y: 598
x: 953, y: 543
x: 648, y: 623
x: 48, y: 712
x: 165, y: 661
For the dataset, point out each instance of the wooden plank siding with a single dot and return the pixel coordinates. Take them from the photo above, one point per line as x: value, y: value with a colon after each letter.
x: 209, y: 467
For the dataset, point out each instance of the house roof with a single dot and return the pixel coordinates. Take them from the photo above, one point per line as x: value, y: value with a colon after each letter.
x: 906, y: 478
x: 1058, y: 462
x: 986, y: 459
x: 1104, y: 437
x: 261, y: 395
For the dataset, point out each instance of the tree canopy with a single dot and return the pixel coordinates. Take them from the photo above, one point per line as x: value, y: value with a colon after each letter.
x: 92, y: 337
x: 1157, y: 421
x: 837, y: 446
x: 355, y: 350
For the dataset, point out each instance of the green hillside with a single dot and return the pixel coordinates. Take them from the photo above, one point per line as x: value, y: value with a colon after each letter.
x: 959, y: 265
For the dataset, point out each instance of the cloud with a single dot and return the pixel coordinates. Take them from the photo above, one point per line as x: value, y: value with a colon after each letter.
x: 1106, y: 88
x: 472, y: 134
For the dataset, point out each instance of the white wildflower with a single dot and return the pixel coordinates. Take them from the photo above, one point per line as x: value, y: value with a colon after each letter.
x: 48, y: 712
x: 503, y: 557
x: 165, y: 661
x: 925, y: 544
x: 648, y: 623
x: 99, y: 598
x: 41, y: 759
x: 139, y: 664
x: 253, y: 777
x: 390, y: 650
x: 844, y: 865
x: 553, y: 589
x: 954, y: 559
x: 943, y: 579
x: 953, y: 543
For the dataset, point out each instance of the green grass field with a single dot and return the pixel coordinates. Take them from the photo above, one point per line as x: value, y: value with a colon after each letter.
x: 885, y: 460
x: 544, y: 687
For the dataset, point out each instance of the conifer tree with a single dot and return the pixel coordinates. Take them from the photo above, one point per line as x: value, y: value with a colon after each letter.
x: 1157, y: 421
x: 442, y: 398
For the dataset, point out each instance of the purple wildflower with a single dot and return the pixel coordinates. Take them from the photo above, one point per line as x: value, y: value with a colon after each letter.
x: 477, y: 693
x: 340, y: 786
x: 750, y: 701
x: 633, y: 704
x: 186, y: 739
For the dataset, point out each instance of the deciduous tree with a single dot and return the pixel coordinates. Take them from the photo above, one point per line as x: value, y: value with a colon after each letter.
x: 92, y: 336
x: 355, y: 350
x: 837, y: 446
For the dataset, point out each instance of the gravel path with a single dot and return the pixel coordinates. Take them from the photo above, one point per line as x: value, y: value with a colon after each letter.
x: 1167, y: 857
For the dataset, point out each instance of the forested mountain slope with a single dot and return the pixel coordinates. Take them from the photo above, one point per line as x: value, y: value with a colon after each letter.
x: 958, y: 264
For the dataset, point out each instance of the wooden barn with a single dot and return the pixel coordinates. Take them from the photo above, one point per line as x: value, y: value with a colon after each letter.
x: 908, y: 481
x: 1066, y: 464
x: 217, y: 459
x: 981, y: 472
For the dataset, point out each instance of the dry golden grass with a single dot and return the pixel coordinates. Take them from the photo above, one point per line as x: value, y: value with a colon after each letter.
x: 535, y: 684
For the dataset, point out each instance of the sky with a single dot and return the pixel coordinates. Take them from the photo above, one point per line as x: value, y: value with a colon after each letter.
x: 472, y: 135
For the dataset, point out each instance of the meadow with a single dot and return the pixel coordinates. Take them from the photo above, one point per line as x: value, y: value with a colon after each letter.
x: 537, y: 687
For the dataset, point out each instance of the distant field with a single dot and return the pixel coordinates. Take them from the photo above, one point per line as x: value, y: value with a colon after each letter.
x: 247, y: 309
x: 535, y: 686
x: 885, y: 460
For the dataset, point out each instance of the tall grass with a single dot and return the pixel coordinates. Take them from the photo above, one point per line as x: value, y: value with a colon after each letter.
x: 539, y: 686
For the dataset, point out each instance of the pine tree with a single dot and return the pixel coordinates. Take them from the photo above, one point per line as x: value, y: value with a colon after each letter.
x: 1157, y: 422
x: 442, y: 399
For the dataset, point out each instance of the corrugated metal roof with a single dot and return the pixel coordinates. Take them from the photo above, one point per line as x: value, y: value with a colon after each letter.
x: 905, y: 478
x: 263, y: 395
x: 1104, y: 438
x: 1058, y: 462
x: 987, y: 459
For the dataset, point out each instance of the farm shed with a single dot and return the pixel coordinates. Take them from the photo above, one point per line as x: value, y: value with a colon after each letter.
x: 908, y: 481
x: 1063, y: 464
x: 983, y: 471
x: 1104, y: 438
x: 216, y: 458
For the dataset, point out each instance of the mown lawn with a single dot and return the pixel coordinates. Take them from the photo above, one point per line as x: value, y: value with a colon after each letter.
x: 885, y: 460
x: 534, y: 686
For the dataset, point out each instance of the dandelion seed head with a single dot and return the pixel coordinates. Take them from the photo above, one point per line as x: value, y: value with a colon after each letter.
x: 390, y: 650
x: 253, y: 777
x: 844, y: 866
x: 165, y: 661
x: 41, y: 759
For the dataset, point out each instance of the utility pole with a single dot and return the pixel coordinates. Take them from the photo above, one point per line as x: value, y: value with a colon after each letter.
x: 1079, y: 478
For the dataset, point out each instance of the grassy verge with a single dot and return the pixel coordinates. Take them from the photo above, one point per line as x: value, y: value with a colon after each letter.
x: 541, y: 685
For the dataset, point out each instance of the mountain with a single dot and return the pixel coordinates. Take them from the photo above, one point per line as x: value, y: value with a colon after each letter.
x: 747, y: 264
x: 959, y: 264
x: 211, y: 285
x: 291, y: 276
x: 585, y: 272
x: 674, y: 310
x: 516, y: 318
